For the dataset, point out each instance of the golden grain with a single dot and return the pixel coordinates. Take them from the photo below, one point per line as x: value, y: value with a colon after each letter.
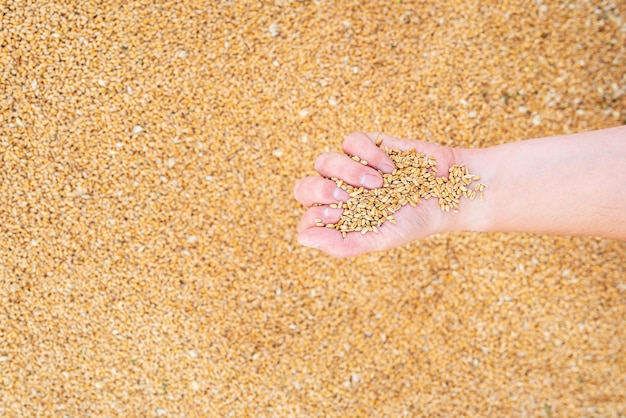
x: 413, y: 179
x: 126, y: 128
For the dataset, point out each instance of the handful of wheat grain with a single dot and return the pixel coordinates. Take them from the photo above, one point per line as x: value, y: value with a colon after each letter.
x: 413, y: 180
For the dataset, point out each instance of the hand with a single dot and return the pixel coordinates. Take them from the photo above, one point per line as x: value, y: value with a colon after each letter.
x: 317, y: 193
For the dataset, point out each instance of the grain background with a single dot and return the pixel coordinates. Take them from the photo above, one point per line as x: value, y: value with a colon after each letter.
x: 148, y: 256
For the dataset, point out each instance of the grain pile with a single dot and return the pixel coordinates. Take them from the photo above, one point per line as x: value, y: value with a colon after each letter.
x: 413, y: 179
x: 148, y: 256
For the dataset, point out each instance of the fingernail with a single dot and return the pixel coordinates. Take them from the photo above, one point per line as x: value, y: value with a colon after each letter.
x: 340, y: 194
x: 331, y: 213
x: 370, y: 181
x: 385, y: 168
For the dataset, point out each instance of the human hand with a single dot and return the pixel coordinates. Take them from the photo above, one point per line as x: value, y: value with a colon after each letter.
x: 318, y: 192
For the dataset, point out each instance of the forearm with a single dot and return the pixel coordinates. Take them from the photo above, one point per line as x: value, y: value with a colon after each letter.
x: 565, y: 185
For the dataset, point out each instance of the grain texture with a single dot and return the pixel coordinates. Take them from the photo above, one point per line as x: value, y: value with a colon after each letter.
x: 148, y: 257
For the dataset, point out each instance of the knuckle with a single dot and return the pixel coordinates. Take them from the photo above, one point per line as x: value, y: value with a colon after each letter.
x: 354, y: 171
x: 320, y: 161
x: 348, y: 142
x: 327, y: 190
x: 296, y: 189
x: 358, y: 141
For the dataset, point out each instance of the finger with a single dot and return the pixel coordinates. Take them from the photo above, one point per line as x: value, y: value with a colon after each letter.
x: 312, y: 190
x: 332, y: 242
x: 362, y: 145
x: 444, y: 155
x: 333, y: 164
x: 319, y: 214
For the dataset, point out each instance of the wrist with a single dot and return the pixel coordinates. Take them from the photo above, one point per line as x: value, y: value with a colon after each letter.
x: 474, y: 214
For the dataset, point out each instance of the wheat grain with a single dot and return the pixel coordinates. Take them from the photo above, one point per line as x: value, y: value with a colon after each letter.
x: 413, y: 179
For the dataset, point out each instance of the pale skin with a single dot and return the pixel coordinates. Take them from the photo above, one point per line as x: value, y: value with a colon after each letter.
x: 562, y: 185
